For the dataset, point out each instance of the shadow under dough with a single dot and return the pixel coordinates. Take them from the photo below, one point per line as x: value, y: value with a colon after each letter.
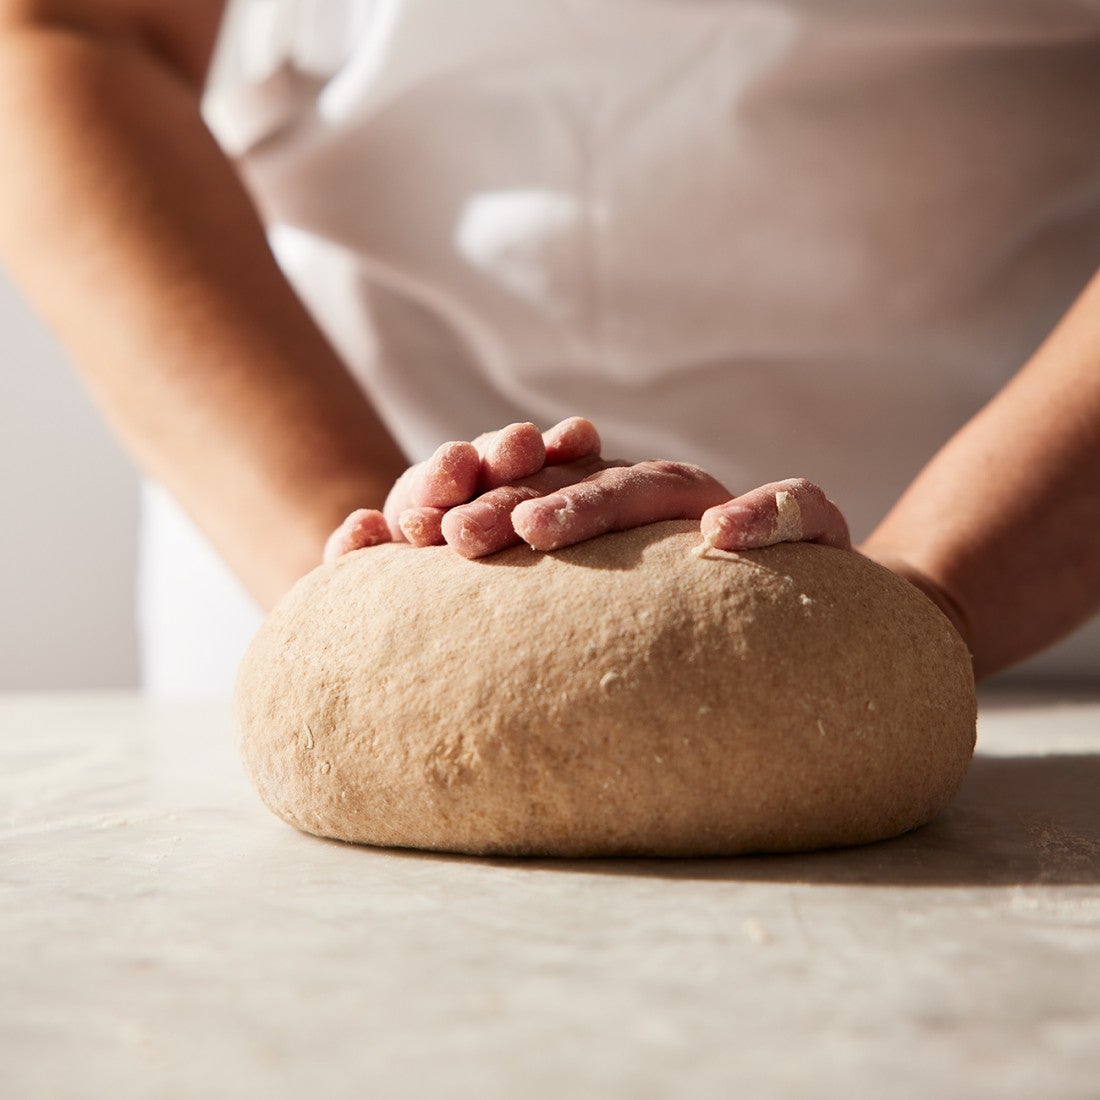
x: 1018, y: 820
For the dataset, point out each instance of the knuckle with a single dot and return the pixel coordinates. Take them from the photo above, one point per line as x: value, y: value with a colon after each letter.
x: 500, y: 497
x: 805, y: 489
x: 597, y: 492
x: 680, y: 471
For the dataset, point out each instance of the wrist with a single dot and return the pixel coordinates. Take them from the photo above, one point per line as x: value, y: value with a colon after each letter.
x: 937, y: 592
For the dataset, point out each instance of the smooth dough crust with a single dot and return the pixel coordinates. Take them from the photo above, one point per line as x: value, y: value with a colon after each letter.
x: 621, y: 697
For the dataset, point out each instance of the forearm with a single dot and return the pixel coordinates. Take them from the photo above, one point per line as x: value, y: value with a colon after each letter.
x: 1005, y: 520
x: 128, y: 229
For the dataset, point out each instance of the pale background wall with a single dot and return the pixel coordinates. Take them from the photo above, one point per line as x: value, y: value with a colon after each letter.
x: 68, y: 519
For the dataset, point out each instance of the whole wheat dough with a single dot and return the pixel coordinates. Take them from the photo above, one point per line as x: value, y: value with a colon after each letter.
x: 623, y: 696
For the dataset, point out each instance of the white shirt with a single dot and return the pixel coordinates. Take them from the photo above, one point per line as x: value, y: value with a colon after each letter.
x: 774, y: 238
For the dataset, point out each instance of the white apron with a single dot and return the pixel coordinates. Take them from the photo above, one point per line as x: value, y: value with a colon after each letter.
x: 774, y: 238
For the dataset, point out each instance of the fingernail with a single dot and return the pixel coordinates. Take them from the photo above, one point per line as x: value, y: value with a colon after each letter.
x: 553, y: 507
x: 480, y: 518
x: 729, y: 519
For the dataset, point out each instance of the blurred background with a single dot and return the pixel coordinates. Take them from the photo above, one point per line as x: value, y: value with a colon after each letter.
x: 69, y: 502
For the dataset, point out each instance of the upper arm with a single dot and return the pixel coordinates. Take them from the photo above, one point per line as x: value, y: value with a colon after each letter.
x: 181, y: 33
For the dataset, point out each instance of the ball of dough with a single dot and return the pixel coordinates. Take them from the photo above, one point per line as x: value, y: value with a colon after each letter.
x: 622, y: 696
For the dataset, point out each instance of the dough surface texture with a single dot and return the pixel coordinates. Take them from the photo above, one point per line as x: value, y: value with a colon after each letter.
x: 621, y: 697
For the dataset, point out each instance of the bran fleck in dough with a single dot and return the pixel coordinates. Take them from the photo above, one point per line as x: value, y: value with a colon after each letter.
x: 625, y: 696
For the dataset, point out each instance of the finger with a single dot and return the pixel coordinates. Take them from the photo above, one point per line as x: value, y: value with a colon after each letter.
x: 421, y: 526
x: 514, y: 452
x: 794, y: 510
x: 449, y: 477
x: 485, y: 525
x: 616, y: 499
x: 364, y: 527
x: 571, y: 439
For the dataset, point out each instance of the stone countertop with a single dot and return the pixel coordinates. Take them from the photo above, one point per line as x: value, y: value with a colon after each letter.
x: 164, y: 936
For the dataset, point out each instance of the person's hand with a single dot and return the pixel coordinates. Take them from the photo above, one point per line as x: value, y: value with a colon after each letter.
x: 553, y: 490
x: 797, y: 510
x: 622, y: 496
x: 459, y: 472
x: 794, y: 510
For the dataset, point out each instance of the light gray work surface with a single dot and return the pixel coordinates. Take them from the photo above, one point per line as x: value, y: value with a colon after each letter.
x: 163, y: 936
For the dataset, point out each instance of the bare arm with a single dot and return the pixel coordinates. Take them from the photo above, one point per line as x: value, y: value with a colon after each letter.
x: 1005, y: 519
x: 128, y: 229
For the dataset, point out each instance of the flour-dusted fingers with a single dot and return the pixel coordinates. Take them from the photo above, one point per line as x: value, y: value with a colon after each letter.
x: 571, y: 439
x: 795, y: 510
x: 449, y: 477
x: 616, y: 499
x: 514, y: 452
x: 484, y: 526
x: 422, y: 526
x: 457, y: 472
x: 364, y: 527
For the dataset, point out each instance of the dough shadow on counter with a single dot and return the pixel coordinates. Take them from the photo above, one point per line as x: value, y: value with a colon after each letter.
x: 1017, y: 821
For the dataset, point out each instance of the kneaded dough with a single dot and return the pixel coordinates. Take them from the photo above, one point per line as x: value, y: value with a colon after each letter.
x: 623, y: 696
